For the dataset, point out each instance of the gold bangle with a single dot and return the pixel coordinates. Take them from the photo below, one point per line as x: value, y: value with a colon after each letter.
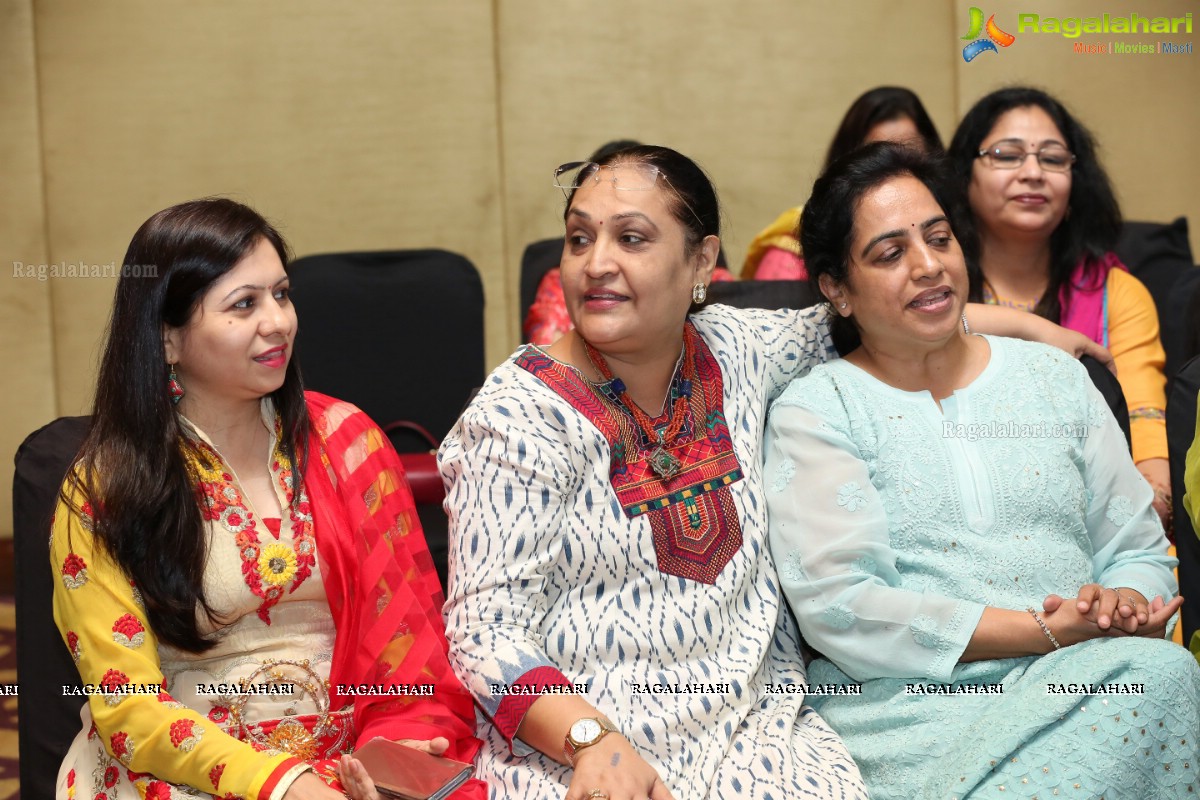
x: 1045, y: 628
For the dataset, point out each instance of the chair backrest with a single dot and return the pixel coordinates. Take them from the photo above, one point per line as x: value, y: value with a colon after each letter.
x: 1160, y: 256
x: 763, y: 294
x: 1181, y: 430
x: 47, y: 721
x: 398, y: 333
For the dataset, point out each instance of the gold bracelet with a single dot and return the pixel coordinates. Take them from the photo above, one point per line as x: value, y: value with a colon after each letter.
x: 1045, y: 628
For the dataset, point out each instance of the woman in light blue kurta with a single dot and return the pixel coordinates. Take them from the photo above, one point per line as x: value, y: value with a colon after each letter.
x: 932, y: 490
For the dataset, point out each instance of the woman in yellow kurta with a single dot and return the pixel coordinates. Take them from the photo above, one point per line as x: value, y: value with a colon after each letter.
x: 1045, y: 220
x: 242, y: 580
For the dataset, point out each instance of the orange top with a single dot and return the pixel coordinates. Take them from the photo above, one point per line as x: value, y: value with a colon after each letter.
x: 1139, y: 356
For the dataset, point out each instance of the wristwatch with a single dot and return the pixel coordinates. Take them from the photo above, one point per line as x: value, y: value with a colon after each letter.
x: 585, y: 733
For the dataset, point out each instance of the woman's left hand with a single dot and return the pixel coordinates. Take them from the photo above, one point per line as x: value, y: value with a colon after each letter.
x: 358, y: 783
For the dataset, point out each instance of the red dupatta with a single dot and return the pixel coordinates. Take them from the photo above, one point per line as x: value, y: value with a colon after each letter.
x: 382, y: 588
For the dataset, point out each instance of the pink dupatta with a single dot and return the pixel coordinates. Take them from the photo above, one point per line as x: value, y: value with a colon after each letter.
x: 1084, y: 298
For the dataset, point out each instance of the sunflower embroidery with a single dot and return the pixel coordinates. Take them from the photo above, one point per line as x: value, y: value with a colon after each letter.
x: 277, y: 564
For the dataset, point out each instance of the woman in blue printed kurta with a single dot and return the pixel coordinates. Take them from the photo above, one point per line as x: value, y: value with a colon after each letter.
x: 929, y: 493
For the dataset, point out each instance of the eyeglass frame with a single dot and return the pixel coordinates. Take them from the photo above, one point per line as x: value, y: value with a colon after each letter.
x: 988, y: 152
x: 658, y: 173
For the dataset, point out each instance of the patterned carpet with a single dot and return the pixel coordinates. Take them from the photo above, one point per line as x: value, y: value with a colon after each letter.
x: 9, y: 785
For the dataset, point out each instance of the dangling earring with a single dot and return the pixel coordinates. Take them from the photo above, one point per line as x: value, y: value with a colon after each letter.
x: 174, y: 387
x: 699, y: 293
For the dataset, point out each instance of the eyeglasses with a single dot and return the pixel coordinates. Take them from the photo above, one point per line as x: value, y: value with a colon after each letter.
x: 633, y: 176
x: 1052, y: 158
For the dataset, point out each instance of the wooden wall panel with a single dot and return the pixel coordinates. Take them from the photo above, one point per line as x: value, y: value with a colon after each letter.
x: 26, y: 353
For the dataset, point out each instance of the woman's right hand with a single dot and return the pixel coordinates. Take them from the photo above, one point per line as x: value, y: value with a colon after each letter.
x: 309, y: 786
x: 614, y: 769
x: 1068, y: 624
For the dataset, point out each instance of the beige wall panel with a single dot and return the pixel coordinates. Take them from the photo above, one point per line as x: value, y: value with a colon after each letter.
x: 26, y: 354
x: 752, y: 90
x: 1143, y: 109
x: 355, y: 126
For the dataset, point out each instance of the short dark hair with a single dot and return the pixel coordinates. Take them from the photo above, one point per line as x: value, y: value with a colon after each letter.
x: 826, y: 228
x: 133, y: 465
x: 882, y: 104
x: 694, y: 199
x: 1093, y: 223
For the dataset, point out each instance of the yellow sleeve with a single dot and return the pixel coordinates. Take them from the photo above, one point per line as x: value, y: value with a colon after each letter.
x: 781, y: 234
x: 1138, y: 353
x: 1191, y: 478
x: 100, y: 616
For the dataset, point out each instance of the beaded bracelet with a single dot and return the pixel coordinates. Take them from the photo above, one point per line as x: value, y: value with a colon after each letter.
x: 1045, y: 629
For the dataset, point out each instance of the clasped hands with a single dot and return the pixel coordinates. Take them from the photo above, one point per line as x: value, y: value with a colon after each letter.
x: 1100, y: 611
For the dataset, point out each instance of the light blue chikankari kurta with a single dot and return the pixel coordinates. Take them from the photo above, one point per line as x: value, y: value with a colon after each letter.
x: 894, y: 523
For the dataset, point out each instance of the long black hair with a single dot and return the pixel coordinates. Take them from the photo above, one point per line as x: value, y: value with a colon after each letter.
x: 827, y: 223
x: 1093, y: 221
x: 133, y: 466
x: 878, y: 105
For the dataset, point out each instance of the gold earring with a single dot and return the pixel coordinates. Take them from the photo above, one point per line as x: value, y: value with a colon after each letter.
x: 699, y: 293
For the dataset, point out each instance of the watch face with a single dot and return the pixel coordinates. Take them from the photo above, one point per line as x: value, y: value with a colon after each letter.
x: 585, y: 731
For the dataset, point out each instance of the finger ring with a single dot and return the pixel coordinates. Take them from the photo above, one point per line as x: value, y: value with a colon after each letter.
x: 598, y: 793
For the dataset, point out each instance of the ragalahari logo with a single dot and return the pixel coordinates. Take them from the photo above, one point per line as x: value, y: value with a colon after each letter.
x: 995, y: 36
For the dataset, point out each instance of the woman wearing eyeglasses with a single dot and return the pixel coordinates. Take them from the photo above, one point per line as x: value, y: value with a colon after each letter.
x: 1045, y: 222
x: 612, y: 604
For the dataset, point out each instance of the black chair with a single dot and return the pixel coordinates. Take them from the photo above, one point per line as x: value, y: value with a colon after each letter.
x: 1181, y: 430
x: 763, y: 294
x: 400, y: 335
x: 47, y: 721
x: 1160, y: 256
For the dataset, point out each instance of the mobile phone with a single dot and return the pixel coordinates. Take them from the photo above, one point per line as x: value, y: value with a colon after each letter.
x: 404, y: 773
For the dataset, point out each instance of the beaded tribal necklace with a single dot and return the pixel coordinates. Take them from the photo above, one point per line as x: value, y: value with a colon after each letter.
x: 664, y: 464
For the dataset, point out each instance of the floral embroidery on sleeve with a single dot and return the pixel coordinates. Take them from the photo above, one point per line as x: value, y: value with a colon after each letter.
x: 74, y: 572
x: 73, y: 645
x: 129, y: 632
x: 112, y: 680
x: 787, y: 471
x: 215, y: 776
x: 924, y: 631
x: 185, y: 734
x: 850, y: 496
x: 1120, y: 510
x: 122, y: 747
x: 864, y: 565
x: 839, y: 617
x: 791, y: 568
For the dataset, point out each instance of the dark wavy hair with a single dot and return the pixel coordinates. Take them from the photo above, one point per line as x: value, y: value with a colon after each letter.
x: 1093, y: 222
x: 827, y: 223
x: 133, y: 466
x: 882, y: 104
